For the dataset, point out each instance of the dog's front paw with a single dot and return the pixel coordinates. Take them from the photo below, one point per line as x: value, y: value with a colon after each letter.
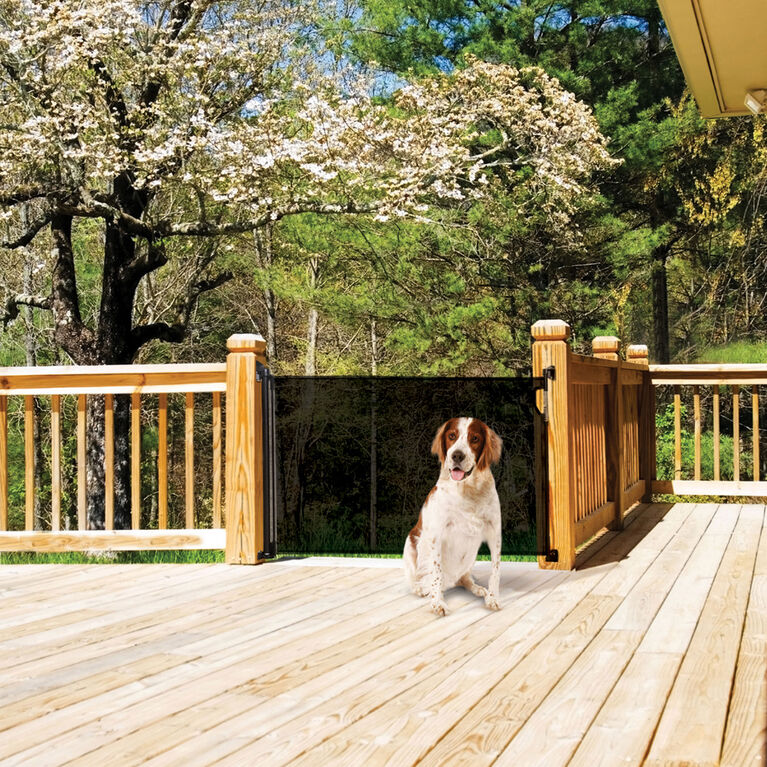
x: 492, y: 603
x: 439, y: 607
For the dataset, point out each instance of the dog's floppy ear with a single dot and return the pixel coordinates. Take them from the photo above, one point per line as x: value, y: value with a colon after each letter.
x: 438, y: 446
x: 491, y: 453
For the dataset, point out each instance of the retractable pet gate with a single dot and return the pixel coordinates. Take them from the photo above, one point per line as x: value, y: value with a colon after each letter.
x: 351, y: 460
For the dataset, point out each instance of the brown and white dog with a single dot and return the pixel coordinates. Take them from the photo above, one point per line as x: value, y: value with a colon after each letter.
x: 459, y: 513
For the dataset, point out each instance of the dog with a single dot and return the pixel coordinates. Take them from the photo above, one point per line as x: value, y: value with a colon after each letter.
x: 460, y: 512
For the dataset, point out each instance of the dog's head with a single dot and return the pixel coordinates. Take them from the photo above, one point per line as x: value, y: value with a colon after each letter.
x: 466, y: 445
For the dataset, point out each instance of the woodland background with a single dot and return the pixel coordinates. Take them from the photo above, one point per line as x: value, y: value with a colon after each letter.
x: 666, y: 248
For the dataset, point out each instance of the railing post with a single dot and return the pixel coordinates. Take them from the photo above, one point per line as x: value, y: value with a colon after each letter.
x: 244, y: 450
x: 550, y: 350
x: 638, y: 354
x: 607, y: 348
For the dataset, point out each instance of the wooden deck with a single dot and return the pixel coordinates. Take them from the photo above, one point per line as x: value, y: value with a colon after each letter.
x: 653, y: 652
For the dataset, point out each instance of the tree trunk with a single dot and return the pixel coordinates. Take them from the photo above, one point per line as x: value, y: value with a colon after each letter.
x: 373, y: 516
x: 30, y: 348
x: 660, y: 306
x: 310, y: 366
x: 264, y: 260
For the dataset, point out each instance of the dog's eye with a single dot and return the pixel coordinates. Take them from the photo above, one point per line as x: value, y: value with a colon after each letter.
x: 451, y: 436
x: 475, y: 438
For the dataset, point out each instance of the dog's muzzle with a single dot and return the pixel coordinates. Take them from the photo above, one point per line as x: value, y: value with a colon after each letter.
x: 458, y: 474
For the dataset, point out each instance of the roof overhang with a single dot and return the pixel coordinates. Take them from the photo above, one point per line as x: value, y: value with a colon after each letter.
x: 722, y: 48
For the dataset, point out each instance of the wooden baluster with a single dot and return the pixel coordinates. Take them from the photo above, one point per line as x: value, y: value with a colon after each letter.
x: 109, y: 462
x: 736, y: 432
x: 755, y: 427
x: 162, y: 462
x: 216, y: 459
x: 55, y: 462
x: 716, y: 433
x: 189, y: 459
x: 82, y: 517
x: 607, y: 347
x: 29, y: 462
x: 135, y: 457
x: 677, y: 432
x: 696, y: 411
x: 3, y: 462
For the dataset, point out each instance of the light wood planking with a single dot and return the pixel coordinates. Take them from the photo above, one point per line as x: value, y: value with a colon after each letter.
x: 755, y: 428
x: 162, y: 462
x: 189, y: 459
x: 217, y: 443
x: 56, y: 462
x: 677, y: 432
x: 109, y: 462
x: 135, y: 457
x: 82, y: 520
x: 29, y: 463
x: 624, y: 727
x: 692, y: 726
x: 3, y: 463
x: 736, y: 432
x: 346, y: 667
x: 716, y: 433
x: 696, y: 413
x: 745, y: 739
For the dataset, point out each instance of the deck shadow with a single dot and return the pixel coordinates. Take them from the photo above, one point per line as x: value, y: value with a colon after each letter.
x: 613, y: 546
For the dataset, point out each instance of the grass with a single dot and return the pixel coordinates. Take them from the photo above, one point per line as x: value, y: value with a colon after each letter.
x: 180, y: 557
x: 746, y: 352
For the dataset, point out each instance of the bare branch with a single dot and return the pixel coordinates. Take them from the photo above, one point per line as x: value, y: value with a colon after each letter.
x: 176, y: 331
x: 92, y: 208
x: 14, y: 302
x: 27, y: 193
x: 212, y: 229
x: 29, y: 234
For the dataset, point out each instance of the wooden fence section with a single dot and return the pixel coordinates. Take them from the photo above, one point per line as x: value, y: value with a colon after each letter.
x: 243, y: 462
x: 599, y: 433
x: 735, y: 381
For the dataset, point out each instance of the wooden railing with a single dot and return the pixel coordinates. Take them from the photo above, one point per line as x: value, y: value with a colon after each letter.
x: 600, y: 437
x: 721, y: 380
x: 236, y: 380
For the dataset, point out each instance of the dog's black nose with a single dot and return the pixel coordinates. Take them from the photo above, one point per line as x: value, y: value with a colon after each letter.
x: 458, y: 456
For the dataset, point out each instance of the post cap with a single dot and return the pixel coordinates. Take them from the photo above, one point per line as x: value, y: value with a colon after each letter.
x: 246, y: 342
x: 550, y: 330
x: 605, y: 345
x: 637, y: 353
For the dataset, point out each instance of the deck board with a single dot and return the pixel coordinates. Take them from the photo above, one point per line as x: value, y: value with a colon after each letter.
x: 653, y: 652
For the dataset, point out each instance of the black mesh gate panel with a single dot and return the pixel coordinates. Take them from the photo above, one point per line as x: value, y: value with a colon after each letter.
x: 354, y: 463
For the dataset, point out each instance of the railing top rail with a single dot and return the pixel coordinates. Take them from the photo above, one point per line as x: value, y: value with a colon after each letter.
x: 709, y: 374
x: 580, y: 359
x: 113, y: 379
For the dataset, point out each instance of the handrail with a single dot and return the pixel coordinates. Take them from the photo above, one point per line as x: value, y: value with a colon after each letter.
x: 709, y: 374
x: 113, y: 379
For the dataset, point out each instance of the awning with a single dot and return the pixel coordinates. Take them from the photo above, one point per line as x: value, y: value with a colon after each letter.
x: 722, y: 47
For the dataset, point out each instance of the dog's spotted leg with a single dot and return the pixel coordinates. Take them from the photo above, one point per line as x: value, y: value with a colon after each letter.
x: 471, y: 585
x: 438, y: 604
x: 493, y: 587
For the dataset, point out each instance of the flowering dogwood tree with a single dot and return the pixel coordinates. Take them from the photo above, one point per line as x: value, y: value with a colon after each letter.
x: 167, y: 119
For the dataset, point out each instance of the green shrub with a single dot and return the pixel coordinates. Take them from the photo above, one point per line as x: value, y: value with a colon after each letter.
x: 664, y: 430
